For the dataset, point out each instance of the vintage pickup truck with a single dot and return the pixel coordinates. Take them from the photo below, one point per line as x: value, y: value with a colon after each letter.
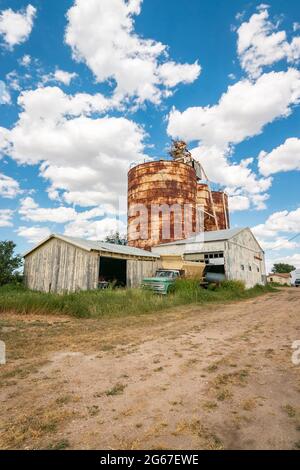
x: 163, y: 282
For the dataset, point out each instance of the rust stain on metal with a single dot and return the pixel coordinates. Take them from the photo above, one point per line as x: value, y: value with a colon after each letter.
x: 171, y: 183
x: 222, y: 210
x: 158, y: 183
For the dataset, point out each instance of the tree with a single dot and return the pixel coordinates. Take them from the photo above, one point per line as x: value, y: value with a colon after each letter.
x: 115, y: 238
x: 9, y: 262
x: 283, y: 268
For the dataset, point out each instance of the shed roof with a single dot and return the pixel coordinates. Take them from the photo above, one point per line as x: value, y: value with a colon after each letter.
x: 204, y: 237
x: 284, y: 275
x: 90, y: 245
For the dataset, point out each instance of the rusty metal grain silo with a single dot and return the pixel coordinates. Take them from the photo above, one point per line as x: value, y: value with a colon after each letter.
x: 220, y: 200
x: 215, y: 208
x: 205, y: 204
x: 157, y: 183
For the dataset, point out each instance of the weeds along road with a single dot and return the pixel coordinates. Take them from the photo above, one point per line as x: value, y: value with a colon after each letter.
x: 211, y: 377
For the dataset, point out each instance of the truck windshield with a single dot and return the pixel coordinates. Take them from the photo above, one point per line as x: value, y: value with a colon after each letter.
x: 166, y: 274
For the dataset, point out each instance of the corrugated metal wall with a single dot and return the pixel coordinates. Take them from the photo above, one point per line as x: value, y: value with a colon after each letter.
x: 156, y: 184
x: 171, y: 184
x: 243, y: 251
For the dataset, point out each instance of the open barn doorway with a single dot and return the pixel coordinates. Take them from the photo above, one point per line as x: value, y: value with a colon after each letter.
x: 113, y: 270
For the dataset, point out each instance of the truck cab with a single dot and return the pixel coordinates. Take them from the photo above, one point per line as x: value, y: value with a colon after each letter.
x: 163, y: 281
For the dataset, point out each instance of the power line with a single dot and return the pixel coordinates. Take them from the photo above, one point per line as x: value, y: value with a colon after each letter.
x: 284, y: 243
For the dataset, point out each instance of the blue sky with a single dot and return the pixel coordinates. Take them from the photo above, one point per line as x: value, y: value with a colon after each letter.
x: 222, y: 75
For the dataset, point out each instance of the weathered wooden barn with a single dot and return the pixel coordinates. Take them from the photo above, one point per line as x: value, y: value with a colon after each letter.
x: 235, y: 252
x: 66, y: 264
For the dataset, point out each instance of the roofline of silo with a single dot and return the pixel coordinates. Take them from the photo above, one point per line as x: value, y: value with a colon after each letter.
x: 155, y: 162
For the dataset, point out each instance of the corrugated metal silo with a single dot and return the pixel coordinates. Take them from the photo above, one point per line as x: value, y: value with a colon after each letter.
x: 221, y: 208
x: 157, y: 183
x: 205, y: 204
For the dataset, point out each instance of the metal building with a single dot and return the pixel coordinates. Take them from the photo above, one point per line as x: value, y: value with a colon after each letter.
x: 234, y: 252
x: 66, y: 264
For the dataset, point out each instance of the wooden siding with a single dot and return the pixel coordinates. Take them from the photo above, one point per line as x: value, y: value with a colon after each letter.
x: 138, y: 269
x: 60, y: 267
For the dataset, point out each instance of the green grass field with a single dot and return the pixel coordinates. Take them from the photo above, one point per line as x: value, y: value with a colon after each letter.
x: 119, y: 302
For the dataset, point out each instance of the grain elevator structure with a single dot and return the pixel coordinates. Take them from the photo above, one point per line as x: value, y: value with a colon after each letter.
x: 171, y: 200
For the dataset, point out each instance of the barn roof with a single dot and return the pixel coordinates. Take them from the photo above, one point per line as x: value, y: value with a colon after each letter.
x: 218, y: 235
x: 90, y: 245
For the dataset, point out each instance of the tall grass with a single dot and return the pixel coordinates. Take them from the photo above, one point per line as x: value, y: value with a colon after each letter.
x: 119, y: 302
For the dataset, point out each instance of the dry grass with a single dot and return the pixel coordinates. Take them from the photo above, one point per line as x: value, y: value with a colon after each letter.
x: 34, y: 428
x: 207, y: 439
x: 118, y: 389
x: 195, y: 399
x: 290, y: 411
x: 249, y: 404
x: 234, y: 378
x: 224, y: 394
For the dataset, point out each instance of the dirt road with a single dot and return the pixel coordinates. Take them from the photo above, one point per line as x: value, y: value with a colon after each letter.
x: 213, y: 377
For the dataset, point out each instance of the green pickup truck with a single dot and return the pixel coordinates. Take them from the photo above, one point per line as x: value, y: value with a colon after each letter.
x: 163, y: 282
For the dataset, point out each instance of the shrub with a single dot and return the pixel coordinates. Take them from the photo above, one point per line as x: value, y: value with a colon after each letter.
x: 237, y: 286
x: 9, y: 263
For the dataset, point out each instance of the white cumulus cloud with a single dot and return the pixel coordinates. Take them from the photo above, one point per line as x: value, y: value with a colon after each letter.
x: 6, y: 217
x: 26, y: 60
x: 9, y: 188
x: 286, y: 157
x: 33, y: 234
x: 242, y: 111
x: 60, y: 76
x: 84, y: 157
x: 242, y: 184
x: 260, y: 44
x: 15, y: 27
x: 31, y: 211
x: 102, y: 35
x: 278, y: 223
x: 97, y: 229
x: 278, y: 236
x: 4, y: 94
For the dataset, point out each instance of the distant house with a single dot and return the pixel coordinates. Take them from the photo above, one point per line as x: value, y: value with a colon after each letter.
x: 280, y: 278
x: 67, y: 264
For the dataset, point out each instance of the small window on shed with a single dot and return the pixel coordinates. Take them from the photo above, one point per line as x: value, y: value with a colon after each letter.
x: 242, y: 267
